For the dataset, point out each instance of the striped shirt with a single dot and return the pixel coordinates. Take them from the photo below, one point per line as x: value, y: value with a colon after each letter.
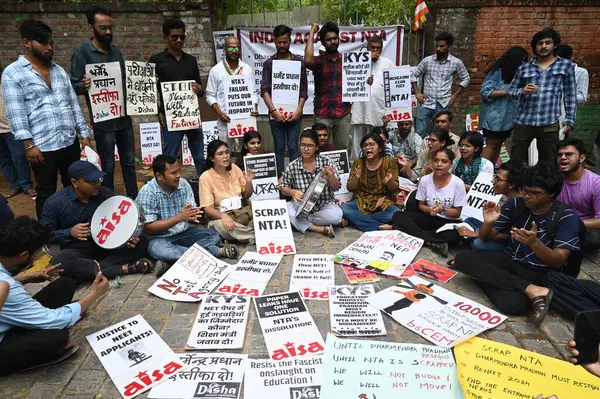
x: 438, y: 78
x: 296, y: 177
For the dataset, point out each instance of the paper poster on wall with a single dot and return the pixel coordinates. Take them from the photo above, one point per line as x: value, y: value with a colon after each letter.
x: 311, y: 276
x: 251, y: 275
x: 387, y: 370
x: 480, y: 193
x: 288, y: 328
x: 150, y: 141
x: 351, y: 315
x: 186, y: 154
x: 219, y: 43
x: 182, y: 110
x: 210, y: 132
x: 142, y: 92
x: 264, y: 167
x: 436, y: 314
x: 239, y: 127
x: 272, y: 228
x: 208, y: 375
x: 397, y: 93
x: 356, y: 69
x: 433, y: 271
x: 285, y: 83
x: 134, y: 356
x: 106, y: 91
x: 356, y: 275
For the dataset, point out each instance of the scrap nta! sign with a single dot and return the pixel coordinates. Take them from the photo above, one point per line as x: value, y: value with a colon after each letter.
x: 273, y: 228
x: 480, y: 193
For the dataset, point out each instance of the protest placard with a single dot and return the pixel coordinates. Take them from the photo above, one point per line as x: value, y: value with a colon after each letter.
x: 492, y: 370
x: 251, y: 275
x: 219, y: 38
x: 106, y: 91
x: 351, y: 315
x: 272, y: 228
x: 356, y: 69
x: 356, y: 275
x: 397, y: 93
x: 430, y: 270
x: 480, y: 193
x: 264, y: 183
x: 288, y: 328
x: 472, y: 122
x: 293, y: 378
x: 134, y: 356
x: 340, y: 159
x: 192, y: 277
x: 386, y: 370
x: 186, y: 154
x: 220, y: 323
x: 239, y: 127
x: 387, y: 252
x: 210, y: 130
x: 182, y: 110
x: 150, y: 141
x: 142, y: 92
x: 285, y: 84
x: 434, y: 313
x: 239, y: 103
x: 209, y: 375
x: 311, y: 276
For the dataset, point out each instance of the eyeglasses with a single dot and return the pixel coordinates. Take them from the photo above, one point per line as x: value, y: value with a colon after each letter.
x: 528, y: 193
x: 567, y: 155
x: 307, y: 146
x: 104, y: 28
x: 368, y: 145
x: 222, y: 154
x: 496, y: 178
x: 177, y: 37
x: 232, y: 48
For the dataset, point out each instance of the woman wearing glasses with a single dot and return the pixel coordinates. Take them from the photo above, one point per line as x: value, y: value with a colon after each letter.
x: 470, y: 163
x: 374, y: 181
x: 297, y: 178
x: 437, y: 140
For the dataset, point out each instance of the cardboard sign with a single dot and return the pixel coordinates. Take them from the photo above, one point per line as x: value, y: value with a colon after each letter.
x: 311, y: 276
x: 397, y: 93
x: 220, y: 323
x: 192, y: 277
x: 350, y: 313
x: 356, y: 69
x: 340, y: 160
x: 209, y: 375
x: 251, y: 275
x: 293, y: 378
x: 472, y: 122
x: 289, y: 330
x: 239, y: 127
x: 272, y: 228
x: 142, y: 93
x: 134, y: 356
x: 285, y: 82
x: 264, y: 183
x: 480, y: 193
x: 386, y: 252
x: 430, y: 270
x: 186, y: 154
x: 386, y: 370
x: 356, y: 275
x: 434, y: 313
x: 491, y: 370
x: 210, y: 130
x: 219, y: 43
x: 182, y: 109
x: 106, y: 91
x: 150, y: 141
x: 239, y: 103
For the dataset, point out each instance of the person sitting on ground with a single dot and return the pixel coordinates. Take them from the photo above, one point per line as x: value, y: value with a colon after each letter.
x: 68, y: 213
x: 513, y: 279
x: 592, y: 368
x: 441, y: 196
x: 580, y: 189
x: 34, y: 330
x: 436, y: 140
x: 297, y: 178
x: 406, y: 145
x: 224, y: 190
x: 470, y: 163
x: 374, y: 183
x: 4, y: 289
x: 251, y: 145
x: 323, y: 134
x: 443, y: 121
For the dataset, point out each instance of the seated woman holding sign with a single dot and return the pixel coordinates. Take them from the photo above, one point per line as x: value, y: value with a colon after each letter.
x: 251, y: 146
x: 311, y: 181
x: 224, y: 188
x: 470, y: 163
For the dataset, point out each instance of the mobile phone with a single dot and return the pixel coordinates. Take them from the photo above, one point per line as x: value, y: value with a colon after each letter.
x: 587, y: 336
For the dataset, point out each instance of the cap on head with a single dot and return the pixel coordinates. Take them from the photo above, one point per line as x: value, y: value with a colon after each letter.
x: 85, y: 170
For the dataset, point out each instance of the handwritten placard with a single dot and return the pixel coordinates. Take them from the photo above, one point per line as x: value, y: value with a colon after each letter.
x: 264, y: 167
x: 251, y: 275
x: 239, y: 97
x: 356, y: 69
x: 272, y: 228
x: 239, y: 127
x: 397, y: 93
x: 150, y: 141
x: 479, y: 194
x: 311, y: 276
x: 350, y: 313
x: 356, y: 275
x: 182, y: 110
x: 106, y: 91
x: 142, y: 92
x: 285, y: 82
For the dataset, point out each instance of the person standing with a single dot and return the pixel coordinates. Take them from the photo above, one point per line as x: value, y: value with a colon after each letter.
x: 43, y: 111
x: 582, y: 82
x: 540, y: 85
x: 327, y: 68
x: 174, y: 64
x: 438, y: 72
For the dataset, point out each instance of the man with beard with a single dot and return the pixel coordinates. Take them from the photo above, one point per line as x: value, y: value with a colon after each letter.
x: 34, y: 330
x: 99, y: 50
x: 68, y: 213
x: 323, y: 135
x: 43, y: 111
x: 405, y: 146
x: 580, y: 189
x: 329, y: 108
x: 438, y: 72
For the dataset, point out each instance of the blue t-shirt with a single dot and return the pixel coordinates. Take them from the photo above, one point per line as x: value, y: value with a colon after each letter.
x: 566, y: 234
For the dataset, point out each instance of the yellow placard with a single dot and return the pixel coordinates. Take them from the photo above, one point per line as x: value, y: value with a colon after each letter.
x: 490, y: 370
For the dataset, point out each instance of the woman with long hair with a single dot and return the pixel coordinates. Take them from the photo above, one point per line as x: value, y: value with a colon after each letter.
x: 436, y: 140
x: 471, y: 163
x: 252, y: 145
x: 498, y: 112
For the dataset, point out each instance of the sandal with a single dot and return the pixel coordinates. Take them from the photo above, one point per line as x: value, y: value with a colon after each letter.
x: 541, y: 306
x: 141, y: 265
x: 344, y: 223
x: 13, y: 193
x: 31, y: 193
x: 229, y: 251
x: 451, y: 263
x: 328, y: 231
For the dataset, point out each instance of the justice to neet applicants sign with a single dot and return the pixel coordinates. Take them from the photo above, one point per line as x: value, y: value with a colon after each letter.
x: 479, y: 194
x: 350, y: 313
x: 397, y: 93
x: 182, y: 109
x: 311, y: 276
x: 134, y: 356
x: 106, y: 91
x: 142, y: 94
x: 251, y: 275
x: 150, y: 141
x: 356, y: 69
x: 285, y: 86
x: 272, y: 228
x: 264, y: 183
x: 340, y: 160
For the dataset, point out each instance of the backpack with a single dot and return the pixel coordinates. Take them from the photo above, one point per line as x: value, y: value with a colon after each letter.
x: 573, y: 264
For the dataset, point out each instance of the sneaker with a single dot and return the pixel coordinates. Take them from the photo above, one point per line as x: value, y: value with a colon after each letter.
x: 440, y: 248
x: 161, y: 267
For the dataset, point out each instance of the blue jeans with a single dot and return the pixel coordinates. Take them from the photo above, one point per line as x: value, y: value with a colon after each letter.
x: 169, y: 249
x: 478, y: 244
x: 283, y: 132
x: 425, y: 115
x: 370, y: 222
x: 14, y: 163
x: 195, y: 142
x: 105, y: 141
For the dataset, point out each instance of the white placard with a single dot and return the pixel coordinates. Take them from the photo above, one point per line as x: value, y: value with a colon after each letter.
x: 340, y: 159
x: 211, y: 132
x: 239, y: 127
x: 192, y: 277
x: 219, y: 43
x: 209, y: 375
x: 386, y: 252
x: 150, y: 141
x: 397, y: 93
x: 186, y: 154
x: 311, y: 276
x: 288, y: 328
x: 182, y: 110
x: 220, y: 323
x: 350, y: 313
x: 435, y: 313
x: 238, y: 96
x: 142, y: 92
x: 272, y: 228
x: 356, y: 69
x: 117, y: 158
x: 479, y: 194
x: 251, y: 275
x: 264, y: 183
x: 134, y: 356
x: 106, y: 91
x: 285, y: 82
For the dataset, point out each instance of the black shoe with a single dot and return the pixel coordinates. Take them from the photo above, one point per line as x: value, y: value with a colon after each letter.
x: 161, y: 267
x: 440, y: 248
x: 59, y: 358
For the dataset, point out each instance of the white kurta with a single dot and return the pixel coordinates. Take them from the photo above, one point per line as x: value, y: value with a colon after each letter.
x: 371, y: 112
